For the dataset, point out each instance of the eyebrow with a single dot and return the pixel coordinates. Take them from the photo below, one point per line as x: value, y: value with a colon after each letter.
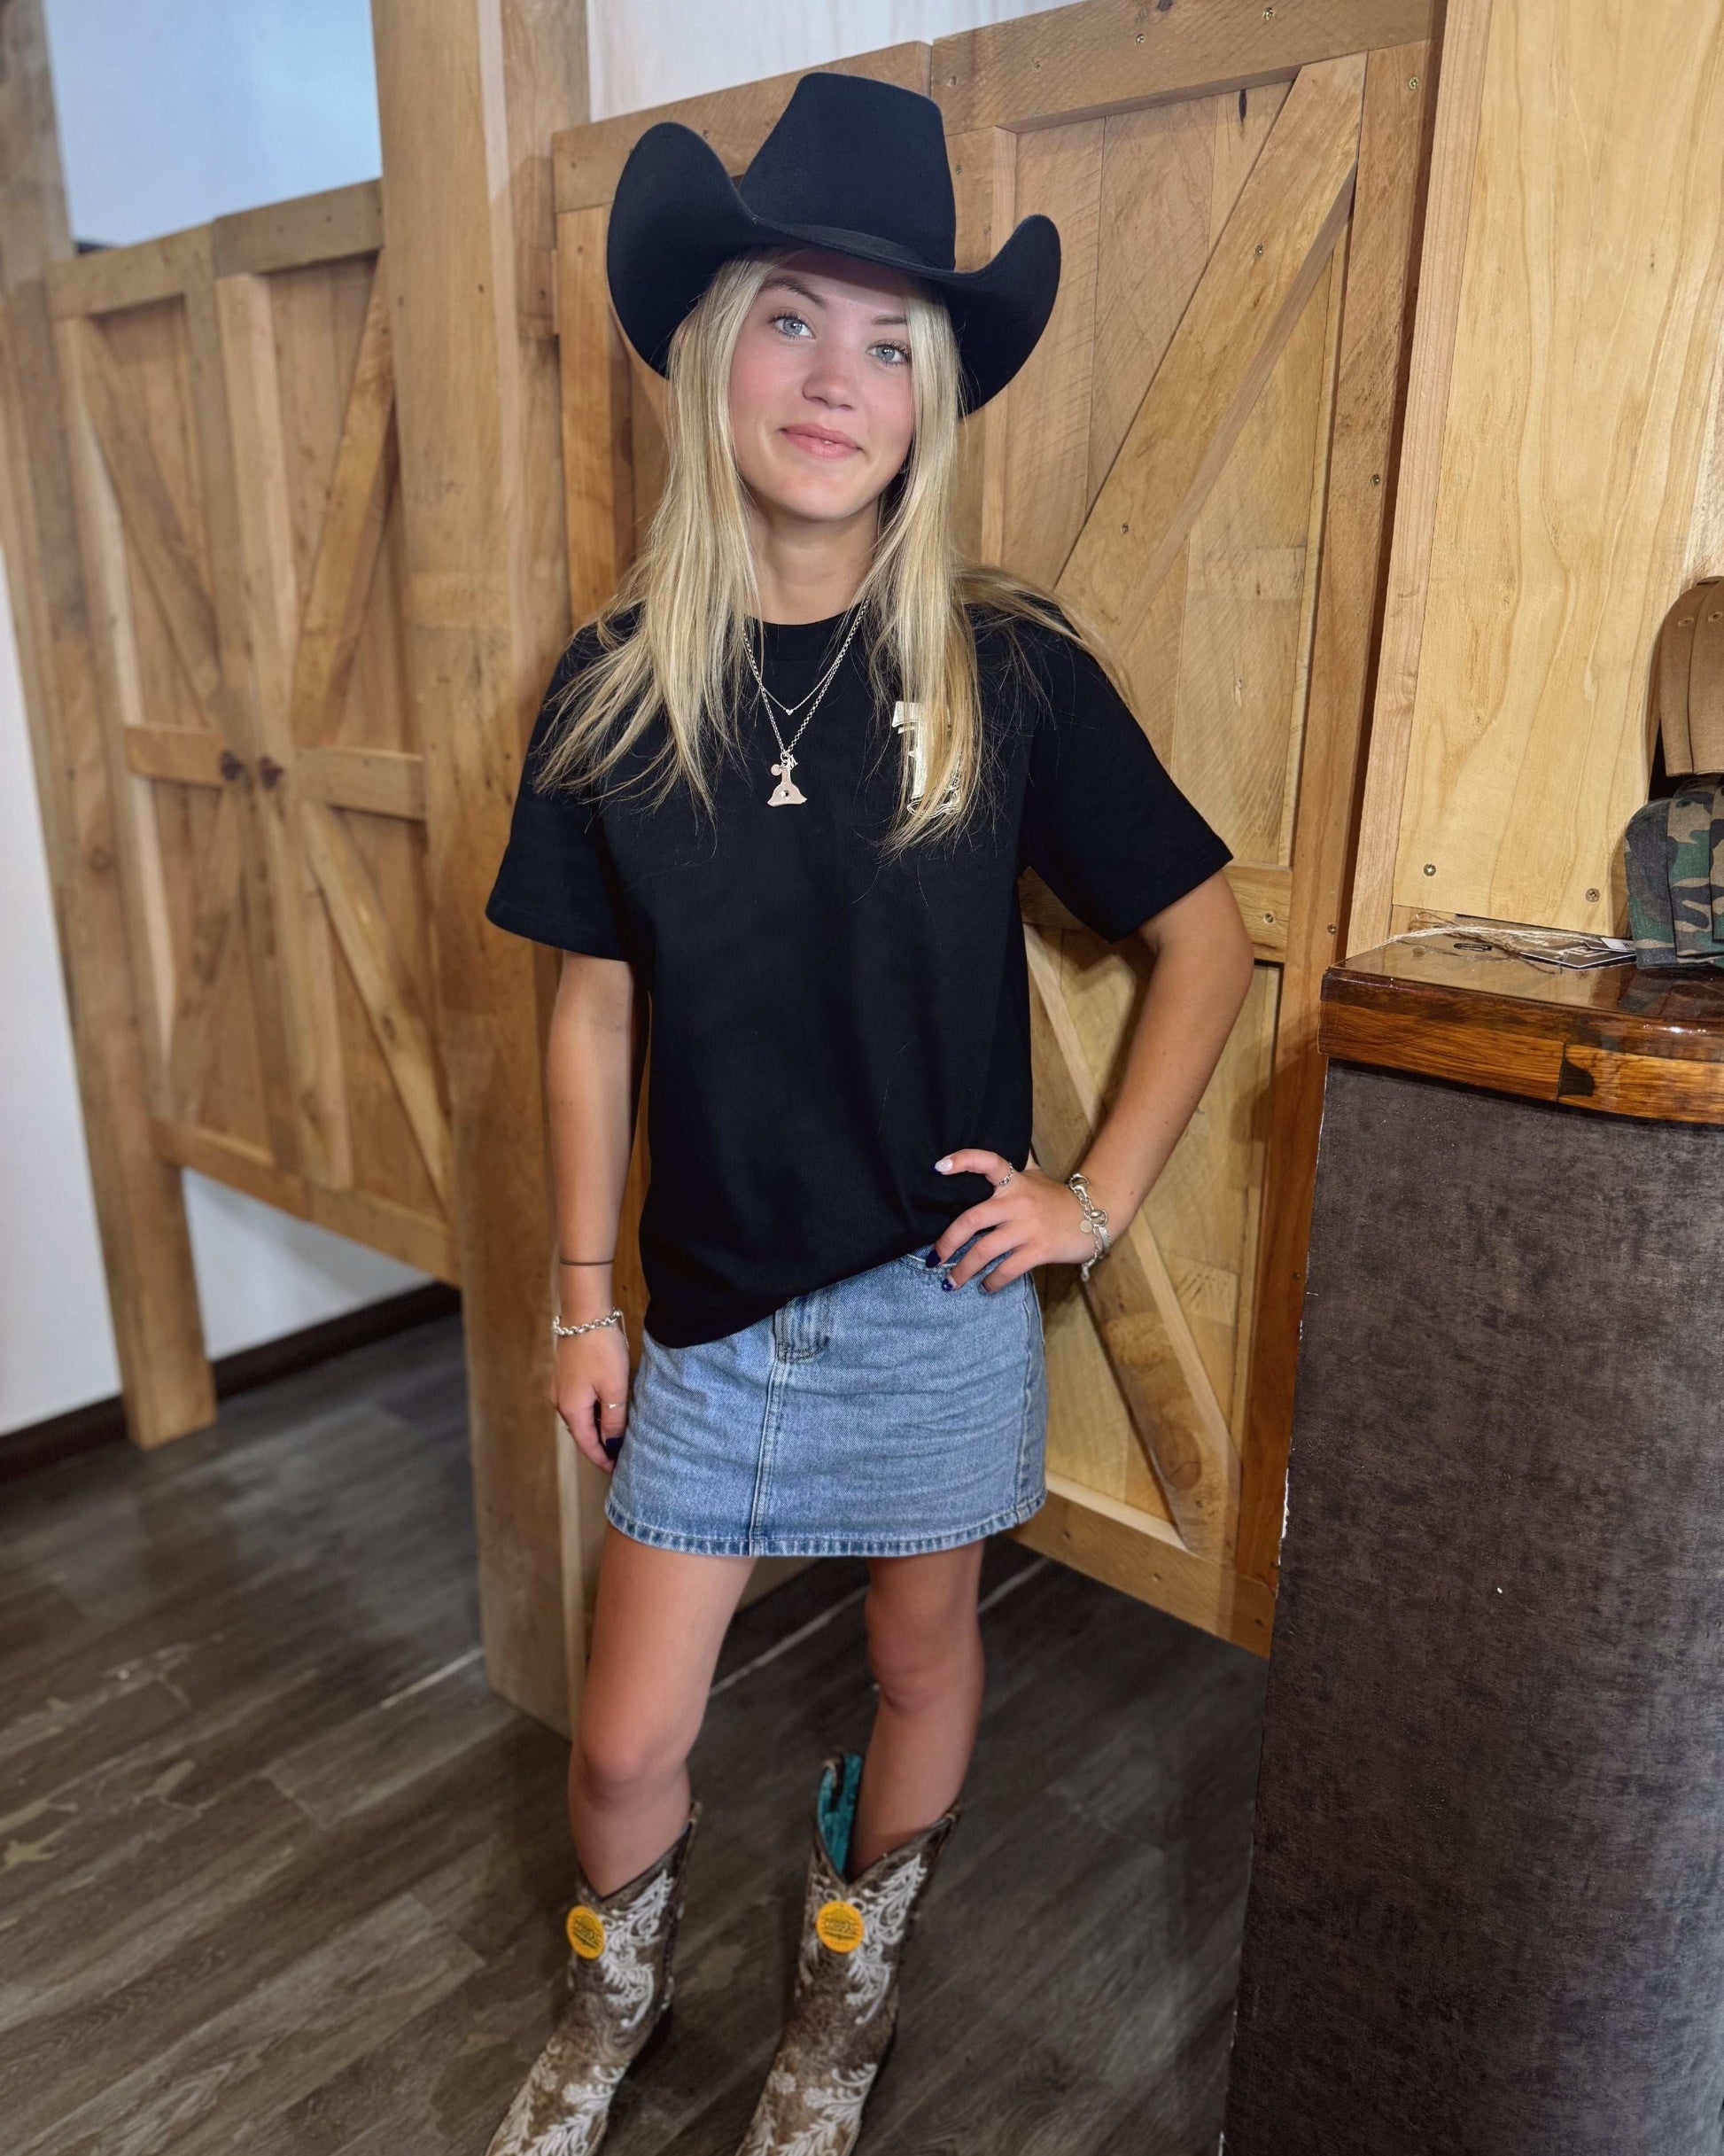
x: 795, y: 285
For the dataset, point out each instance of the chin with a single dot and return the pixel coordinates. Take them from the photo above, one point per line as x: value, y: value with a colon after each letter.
x: 797, y: 495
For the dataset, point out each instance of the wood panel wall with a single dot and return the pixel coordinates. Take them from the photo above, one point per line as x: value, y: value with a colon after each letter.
x: 1563, y: 479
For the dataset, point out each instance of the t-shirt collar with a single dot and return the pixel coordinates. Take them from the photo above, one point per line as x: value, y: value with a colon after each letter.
x: 797, y: 640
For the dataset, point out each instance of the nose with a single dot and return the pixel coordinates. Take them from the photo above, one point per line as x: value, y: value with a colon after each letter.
x: 831, y: 379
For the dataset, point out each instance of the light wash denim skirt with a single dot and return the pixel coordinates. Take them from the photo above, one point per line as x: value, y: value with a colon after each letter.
x: 878, y: 1416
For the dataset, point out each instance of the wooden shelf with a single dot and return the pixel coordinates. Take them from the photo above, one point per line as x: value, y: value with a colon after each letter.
x: 1617, y: 1040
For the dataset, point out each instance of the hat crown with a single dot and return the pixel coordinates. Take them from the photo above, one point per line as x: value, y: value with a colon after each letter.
x: 851, y: 155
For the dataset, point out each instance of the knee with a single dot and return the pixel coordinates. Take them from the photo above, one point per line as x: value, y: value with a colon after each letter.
x: 917, y: 1662
x: 619, y: 1765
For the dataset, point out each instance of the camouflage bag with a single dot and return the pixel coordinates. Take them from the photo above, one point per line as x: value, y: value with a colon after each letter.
x: 1674, y: 852
x: 1673, y: 848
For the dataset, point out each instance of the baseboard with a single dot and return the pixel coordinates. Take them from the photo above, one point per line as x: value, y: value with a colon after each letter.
x: 99, y: 1422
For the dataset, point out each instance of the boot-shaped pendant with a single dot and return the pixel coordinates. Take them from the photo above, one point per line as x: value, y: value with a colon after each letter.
x: 843, y: 2012
x: 619, y: 1985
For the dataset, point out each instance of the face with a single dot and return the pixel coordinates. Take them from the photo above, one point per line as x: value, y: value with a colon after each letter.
x: 820, y: 406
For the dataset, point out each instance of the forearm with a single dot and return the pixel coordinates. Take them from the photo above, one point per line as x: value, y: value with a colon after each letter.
x: 592, y: 1070
x: 1188, y: 1009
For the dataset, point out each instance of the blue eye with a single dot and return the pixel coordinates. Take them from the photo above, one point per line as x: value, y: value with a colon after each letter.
x: 901, y: 351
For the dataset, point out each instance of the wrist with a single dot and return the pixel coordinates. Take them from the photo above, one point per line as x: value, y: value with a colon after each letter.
x: 1097, y: 1223
x: 584, y: 1291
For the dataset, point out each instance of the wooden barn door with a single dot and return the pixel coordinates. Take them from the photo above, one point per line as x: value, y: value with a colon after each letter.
x: 230, y: 406
x: 1199, y: 455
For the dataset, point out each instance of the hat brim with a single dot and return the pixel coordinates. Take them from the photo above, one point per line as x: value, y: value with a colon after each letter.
x: 677, y: 214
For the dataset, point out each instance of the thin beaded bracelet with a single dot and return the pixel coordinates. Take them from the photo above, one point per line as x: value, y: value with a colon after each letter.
x: 1094, y: 1219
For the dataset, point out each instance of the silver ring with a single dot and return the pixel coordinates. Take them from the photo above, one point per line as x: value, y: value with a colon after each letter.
x: 1005, y: 1179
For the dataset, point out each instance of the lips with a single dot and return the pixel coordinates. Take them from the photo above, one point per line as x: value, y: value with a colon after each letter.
x: 818, y: 442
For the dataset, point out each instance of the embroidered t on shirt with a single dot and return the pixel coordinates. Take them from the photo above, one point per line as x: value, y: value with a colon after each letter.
x: 824, y: 1024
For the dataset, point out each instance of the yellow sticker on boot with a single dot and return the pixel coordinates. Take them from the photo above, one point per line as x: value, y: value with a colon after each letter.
x: 840, y: 1925
x: 586, y: 1929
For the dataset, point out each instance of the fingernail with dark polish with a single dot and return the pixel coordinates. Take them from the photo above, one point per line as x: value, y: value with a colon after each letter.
x: 946, y: 1283
x: 932, y: 1258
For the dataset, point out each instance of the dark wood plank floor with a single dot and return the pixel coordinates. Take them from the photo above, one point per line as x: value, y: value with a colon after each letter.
x: 279, y: 1876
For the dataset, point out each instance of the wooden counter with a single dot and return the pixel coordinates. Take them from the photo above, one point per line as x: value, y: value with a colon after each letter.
x: 1617, y: 1039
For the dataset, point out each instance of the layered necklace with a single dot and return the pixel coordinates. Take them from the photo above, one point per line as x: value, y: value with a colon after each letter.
x: 787, y: 794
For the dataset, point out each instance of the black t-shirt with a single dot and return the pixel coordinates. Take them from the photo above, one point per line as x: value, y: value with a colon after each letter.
x: 824, y: 1027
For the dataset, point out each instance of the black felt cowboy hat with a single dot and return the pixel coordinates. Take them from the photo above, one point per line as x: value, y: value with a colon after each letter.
x: 851, y: 164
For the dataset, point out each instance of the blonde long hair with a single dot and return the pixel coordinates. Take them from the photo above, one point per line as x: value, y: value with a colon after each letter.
x: 694, y: 582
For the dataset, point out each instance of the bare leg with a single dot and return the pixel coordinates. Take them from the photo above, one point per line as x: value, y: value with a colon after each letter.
x: 925, y: 1650
x: 658, y: 1622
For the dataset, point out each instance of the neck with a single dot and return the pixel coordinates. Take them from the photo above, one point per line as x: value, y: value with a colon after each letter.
x: 807, y: 571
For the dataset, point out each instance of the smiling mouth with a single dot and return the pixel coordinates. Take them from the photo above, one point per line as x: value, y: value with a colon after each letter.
x: 819, y: 444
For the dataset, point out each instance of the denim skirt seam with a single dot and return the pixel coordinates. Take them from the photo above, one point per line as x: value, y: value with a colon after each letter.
x: 820, y: 1545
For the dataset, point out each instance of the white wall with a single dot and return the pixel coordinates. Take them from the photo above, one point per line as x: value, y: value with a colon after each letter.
x: 649, y: 51
x: 173, y: 111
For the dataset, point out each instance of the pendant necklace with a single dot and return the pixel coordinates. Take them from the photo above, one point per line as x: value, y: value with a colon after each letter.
x: 787, y: 793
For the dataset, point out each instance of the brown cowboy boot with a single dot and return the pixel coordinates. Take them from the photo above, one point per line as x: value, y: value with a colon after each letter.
x: 843, y: 2013
x: 619, y: 1986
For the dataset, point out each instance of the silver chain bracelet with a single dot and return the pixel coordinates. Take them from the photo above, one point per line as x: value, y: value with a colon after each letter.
x: 565, y: 1332
x: 1094, y: 1219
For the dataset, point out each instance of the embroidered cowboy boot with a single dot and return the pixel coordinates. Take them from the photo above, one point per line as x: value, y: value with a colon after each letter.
x: 619, y: 1982
x: 843, y: 2011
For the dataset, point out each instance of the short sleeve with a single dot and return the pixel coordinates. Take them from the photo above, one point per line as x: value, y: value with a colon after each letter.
x: 1105, y: 827
x: 556, y: 882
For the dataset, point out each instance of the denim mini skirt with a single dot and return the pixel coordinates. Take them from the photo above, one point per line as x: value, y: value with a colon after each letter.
x: 878, y: 1416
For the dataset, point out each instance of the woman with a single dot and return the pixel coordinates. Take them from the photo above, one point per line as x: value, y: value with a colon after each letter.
x: 779, y: 792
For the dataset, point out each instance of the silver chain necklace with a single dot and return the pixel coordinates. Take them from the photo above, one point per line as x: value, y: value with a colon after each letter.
x: 787, y: 793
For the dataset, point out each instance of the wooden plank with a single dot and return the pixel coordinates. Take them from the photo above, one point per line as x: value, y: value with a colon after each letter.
x: 1047, y: 451
x: 186, y: 755
x: 1264, y: 891
x: 587, y: 159
x: 1265, y: 265
x: 321, y: 228
x: 269, y: 997
x: 199, y: 1010
x: 165, y: 1377
x: 1102, y: 56
x: 111, y: 278
x: 157, y: 541
x: 598, y: 472
x: 362, y: 930
x: 1447, y: 213
x: 227, y: 1159
x: 984, y: 172
x: 360, y: 488
x: 101, y: 540
x: 1590, y: 315
x: 1381, y: 265
x: 379, y: 782
x: 1137, y: 1314
x: 314, y: 1045
x: 364, y: 1215
x: 468, y: 90
x: 1140, y: 1556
